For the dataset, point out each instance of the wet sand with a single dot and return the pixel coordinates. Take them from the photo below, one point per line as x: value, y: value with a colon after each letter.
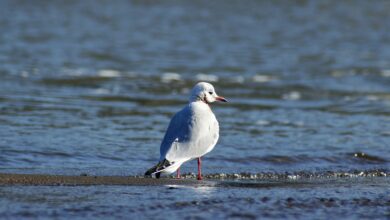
x: 82, y: 180
x: 53, y: 180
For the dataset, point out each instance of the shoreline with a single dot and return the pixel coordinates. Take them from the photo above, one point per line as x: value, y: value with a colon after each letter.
x: 11, y: 179
x: 65, y: 180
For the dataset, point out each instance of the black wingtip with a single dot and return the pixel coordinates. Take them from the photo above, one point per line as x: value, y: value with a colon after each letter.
x: 149, y: 172
x: 156, y: 169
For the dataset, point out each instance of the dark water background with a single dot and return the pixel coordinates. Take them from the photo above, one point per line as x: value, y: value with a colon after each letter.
x: 90, y: 86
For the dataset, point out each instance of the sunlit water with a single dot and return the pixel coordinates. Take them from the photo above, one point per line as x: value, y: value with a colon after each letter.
x: 90, y: 87
x: 170, y: 202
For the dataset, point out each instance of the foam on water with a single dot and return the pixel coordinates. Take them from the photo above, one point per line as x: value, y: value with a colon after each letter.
x: 263, y: 78
x: 206, y: 77
x: 293, y: 176
x: 170, y: 77
x: 108, y: 73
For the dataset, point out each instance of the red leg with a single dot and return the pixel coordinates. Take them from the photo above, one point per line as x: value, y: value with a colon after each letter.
x: 178, y: 173
x: 199, y: 169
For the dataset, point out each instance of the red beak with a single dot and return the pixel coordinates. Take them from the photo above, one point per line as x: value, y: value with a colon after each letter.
x: 221, y: 99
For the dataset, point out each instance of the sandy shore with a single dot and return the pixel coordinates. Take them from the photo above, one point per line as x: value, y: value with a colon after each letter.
x: 52, y: 180
x: 62, y: 180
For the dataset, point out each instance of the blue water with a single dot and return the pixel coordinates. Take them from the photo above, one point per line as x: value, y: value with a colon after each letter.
x: 349, y: 201
x: 90, y: 86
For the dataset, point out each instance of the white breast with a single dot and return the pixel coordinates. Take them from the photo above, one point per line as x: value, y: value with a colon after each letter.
x: 205, y: 130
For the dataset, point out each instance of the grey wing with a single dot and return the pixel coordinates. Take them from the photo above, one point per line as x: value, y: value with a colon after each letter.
x: 178, y: 133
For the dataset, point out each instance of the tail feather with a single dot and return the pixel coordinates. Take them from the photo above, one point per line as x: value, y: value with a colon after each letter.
x: 161, y: 166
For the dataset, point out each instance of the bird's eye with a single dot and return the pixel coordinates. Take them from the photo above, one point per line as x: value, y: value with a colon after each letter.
x: 210, y: 93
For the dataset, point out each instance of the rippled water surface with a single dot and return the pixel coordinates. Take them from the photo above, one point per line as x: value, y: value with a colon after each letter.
x: 349, y: 201
x: 90, y: 86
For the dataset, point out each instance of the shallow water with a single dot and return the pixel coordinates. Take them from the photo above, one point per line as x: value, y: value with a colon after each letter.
x: 351, y: 199
x: 89, y: 87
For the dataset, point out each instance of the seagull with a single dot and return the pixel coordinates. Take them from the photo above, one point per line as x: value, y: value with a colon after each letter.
x: 192, y: 133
